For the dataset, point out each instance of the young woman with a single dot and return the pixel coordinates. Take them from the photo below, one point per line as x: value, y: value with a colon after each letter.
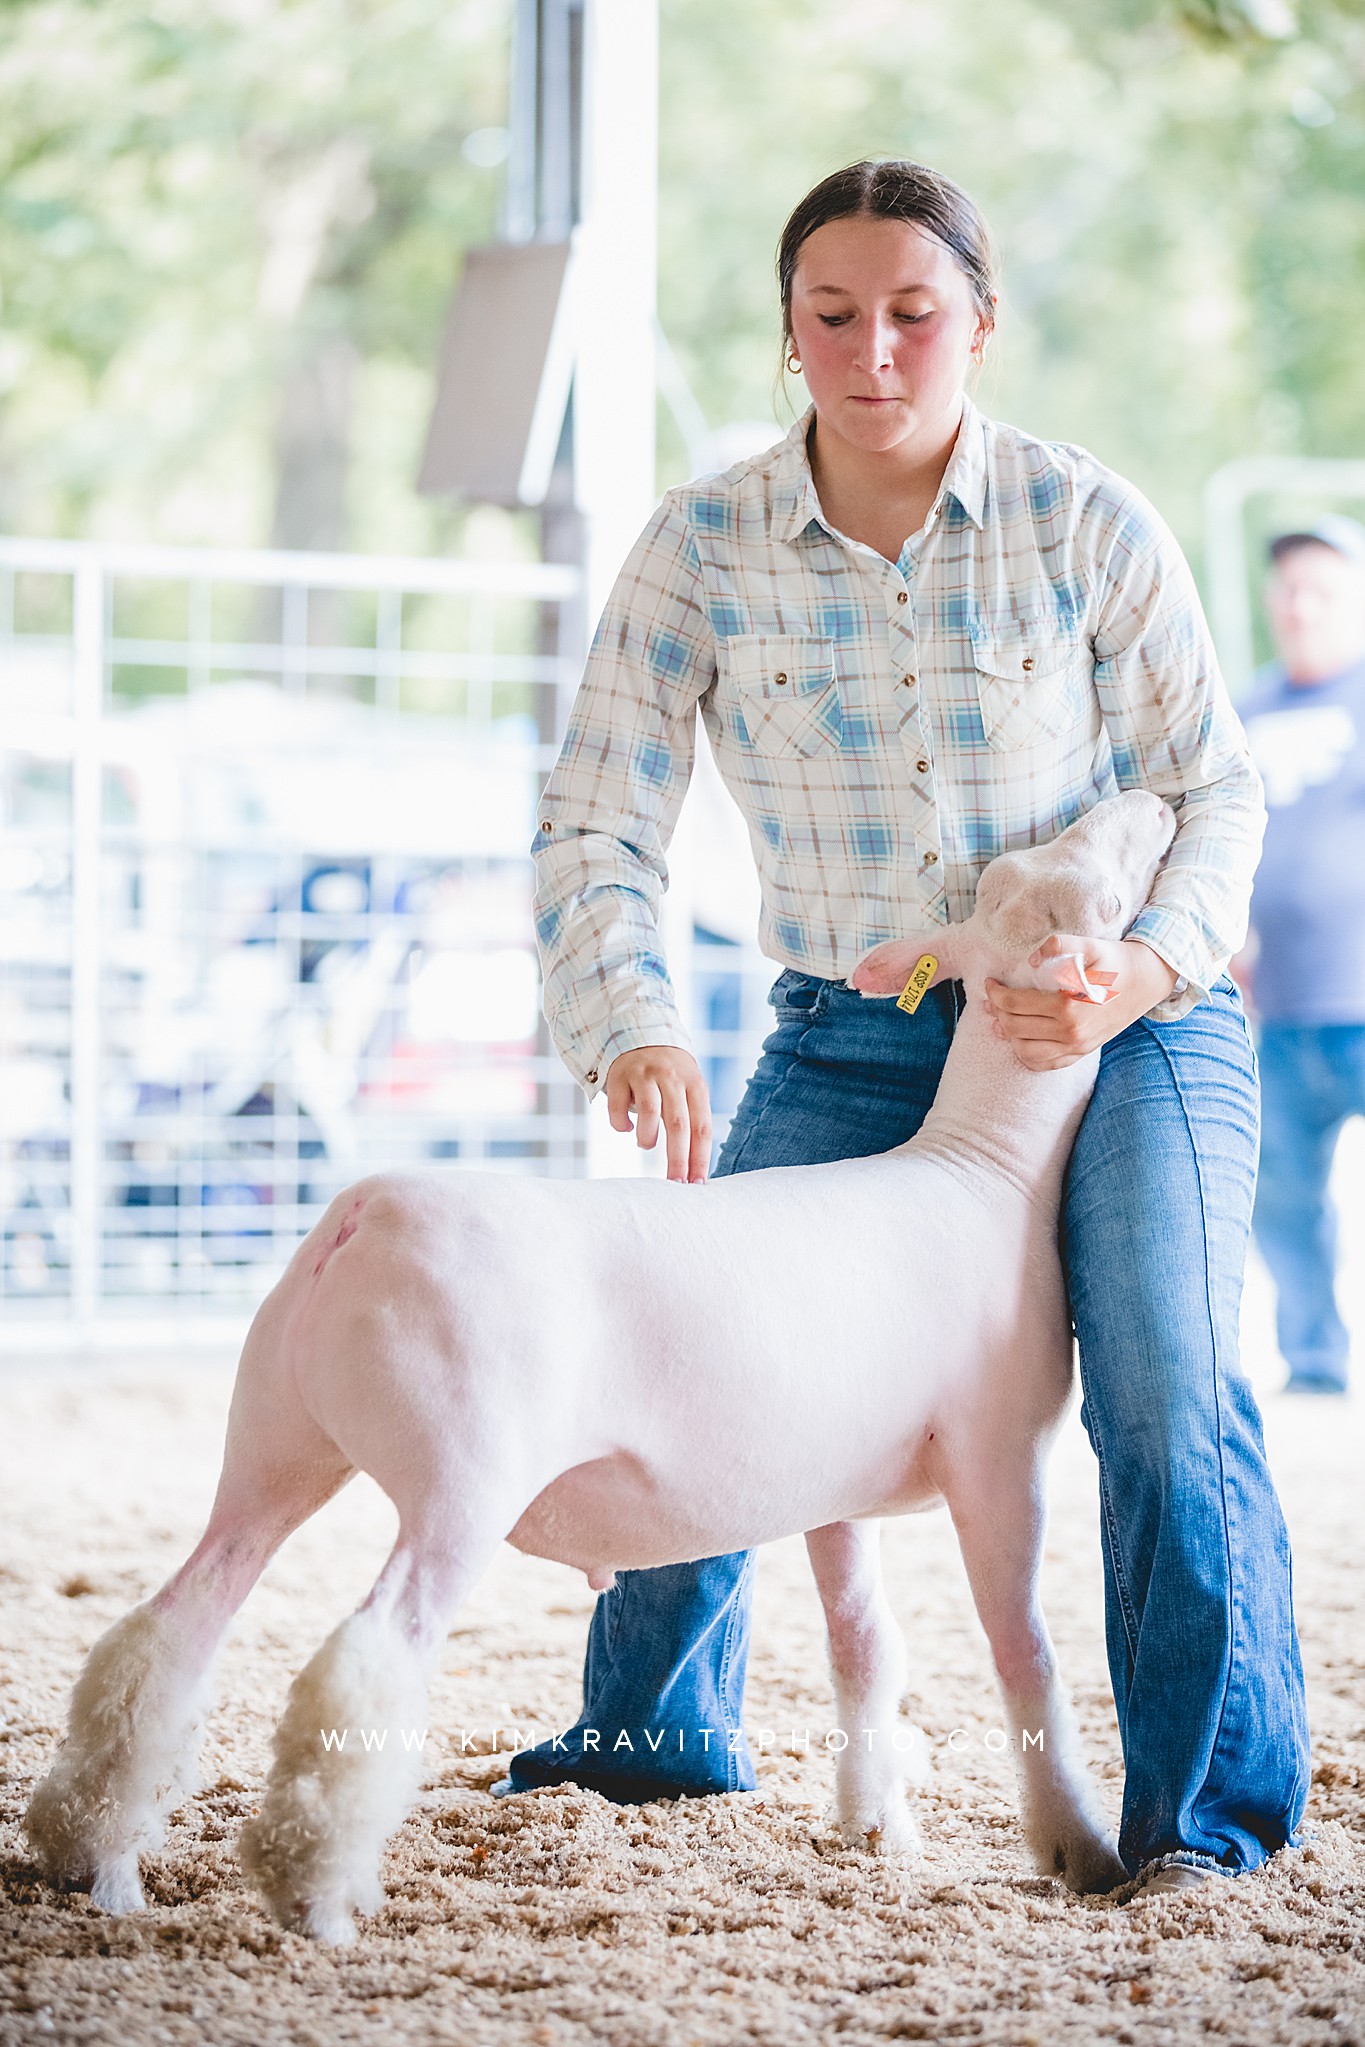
x: 918, y: 638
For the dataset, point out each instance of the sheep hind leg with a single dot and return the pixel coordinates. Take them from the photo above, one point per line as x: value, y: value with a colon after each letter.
x: 348, y: 1749
x: 867, y: 1658
x: 137, y: 1707
x: 1000, y: 1521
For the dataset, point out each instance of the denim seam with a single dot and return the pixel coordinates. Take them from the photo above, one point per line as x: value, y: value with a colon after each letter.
x: 1234, y: 1656
x: 609, y: 1604
x: 1126, y: 1606
x: 817, y: 1008
x: 727, y: 1648
x: 611, y: 1619
x: 1303, y: 1780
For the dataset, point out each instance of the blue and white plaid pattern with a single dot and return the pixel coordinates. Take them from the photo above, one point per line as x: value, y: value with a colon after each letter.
x: 886, y: 729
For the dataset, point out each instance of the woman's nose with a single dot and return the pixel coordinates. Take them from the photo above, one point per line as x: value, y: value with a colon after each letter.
x: 877, y: 345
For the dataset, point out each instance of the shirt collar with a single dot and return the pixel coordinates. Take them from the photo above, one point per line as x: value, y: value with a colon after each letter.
x: 965, y: 476
x: 795, y: 504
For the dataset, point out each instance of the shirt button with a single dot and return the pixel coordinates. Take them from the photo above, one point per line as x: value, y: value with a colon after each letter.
x: 922, y: 767
x: 907, y: 682
x: 1028, y: 661
x: 902, y: 597
x: 931, y: 859
x: 780, y: 676
x: 546, y: 824
x: 591, y: 1078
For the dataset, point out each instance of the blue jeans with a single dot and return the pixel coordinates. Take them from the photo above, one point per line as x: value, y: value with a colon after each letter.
x: 1312, y: 1079
x: 1199, y: 1616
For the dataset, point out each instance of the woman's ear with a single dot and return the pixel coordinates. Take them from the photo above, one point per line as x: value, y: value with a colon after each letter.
x: 889, y: 969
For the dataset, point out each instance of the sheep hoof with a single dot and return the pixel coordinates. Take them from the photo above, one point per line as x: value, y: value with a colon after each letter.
x: 116, y: 1886
x: 328, y: 1920
x: 1086, y: 1863
x: 891, y: 1833
x: 326, y: 1916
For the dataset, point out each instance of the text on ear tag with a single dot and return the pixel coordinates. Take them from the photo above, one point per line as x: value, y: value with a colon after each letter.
x: 912, y: 994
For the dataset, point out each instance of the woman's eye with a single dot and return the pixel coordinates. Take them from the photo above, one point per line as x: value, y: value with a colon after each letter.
x: 842, y: 319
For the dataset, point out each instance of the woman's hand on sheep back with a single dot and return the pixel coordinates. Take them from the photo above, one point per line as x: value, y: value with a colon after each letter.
x: 663, y: 1084
x: 1049, y: 1028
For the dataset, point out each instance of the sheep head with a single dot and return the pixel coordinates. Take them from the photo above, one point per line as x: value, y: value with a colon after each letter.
x: 1089, y: 882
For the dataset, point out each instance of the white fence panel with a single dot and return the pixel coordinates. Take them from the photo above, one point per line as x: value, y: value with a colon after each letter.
x: 265, y: 913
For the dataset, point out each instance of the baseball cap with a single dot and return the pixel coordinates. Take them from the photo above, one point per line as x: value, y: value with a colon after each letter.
x: 1344, y: 536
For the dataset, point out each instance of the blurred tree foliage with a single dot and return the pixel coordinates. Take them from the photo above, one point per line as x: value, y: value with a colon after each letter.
x: 228, y: 231
x: 1176, y: 195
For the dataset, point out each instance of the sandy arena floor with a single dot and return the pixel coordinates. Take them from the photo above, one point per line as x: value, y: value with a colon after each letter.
x: 558, y: 1918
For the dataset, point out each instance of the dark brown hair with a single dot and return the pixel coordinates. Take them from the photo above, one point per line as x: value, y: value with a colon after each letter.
x: 892, y: 189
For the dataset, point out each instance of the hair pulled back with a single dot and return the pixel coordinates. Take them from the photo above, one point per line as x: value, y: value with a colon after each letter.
x: 893, y: 188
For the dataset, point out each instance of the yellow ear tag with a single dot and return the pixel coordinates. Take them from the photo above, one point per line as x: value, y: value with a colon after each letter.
x: 912, y: 994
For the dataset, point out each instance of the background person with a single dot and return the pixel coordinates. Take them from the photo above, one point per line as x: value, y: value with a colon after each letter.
x: 1305, y: 722
x: 919, y: 638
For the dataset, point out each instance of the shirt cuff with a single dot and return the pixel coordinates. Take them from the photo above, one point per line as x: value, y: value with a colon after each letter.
x: 628, y: 1038
x: 1171, y: 935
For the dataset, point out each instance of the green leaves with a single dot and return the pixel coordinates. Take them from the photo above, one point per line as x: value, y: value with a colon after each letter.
x: 204, y: 203
x: 1178, y: 212
x: 194, y: 194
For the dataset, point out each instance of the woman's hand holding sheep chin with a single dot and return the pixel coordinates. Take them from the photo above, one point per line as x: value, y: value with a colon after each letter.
x: 663, y: 1084
x: 1051, y: 1028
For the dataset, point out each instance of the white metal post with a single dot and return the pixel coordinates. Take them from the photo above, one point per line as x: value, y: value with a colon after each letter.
x: 614, y: 284
x: 616, y: 262
x: 87, y: 705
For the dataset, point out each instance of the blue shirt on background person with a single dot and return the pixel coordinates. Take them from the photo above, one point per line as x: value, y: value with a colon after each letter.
x: 1305, y: 724
x: 1308, y: 903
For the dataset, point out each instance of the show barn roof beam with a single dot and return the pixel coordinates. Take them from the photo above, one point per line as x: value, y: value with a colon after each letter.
x: 563, y: 306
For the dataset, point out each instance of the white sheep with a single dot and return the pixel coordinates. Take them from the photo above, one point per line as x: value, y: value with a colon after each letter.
x: 628, y: 1373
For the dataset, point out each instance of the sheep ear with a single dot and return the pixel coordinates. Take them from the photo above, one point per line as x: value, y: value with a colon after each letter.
x: 889, y: 969
x: 1066, y: 971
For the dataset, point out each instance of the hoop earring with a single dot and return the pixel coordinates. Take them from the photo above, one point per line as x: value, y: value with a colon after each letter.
x: 794, y: 362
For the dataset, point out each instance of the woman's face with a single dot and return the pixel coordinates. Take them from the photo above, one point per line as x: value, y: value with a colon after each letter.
x: 885, y: 324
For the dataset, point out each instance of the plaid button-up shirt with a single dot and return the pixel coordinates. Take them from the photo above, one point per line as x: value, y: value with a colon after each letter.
x: 886, y: 728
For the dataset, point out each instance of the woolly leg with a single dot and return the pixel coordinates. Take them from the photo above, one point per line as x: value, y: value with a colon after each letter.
x: 133, y: 1728
x: 867, y: 1656
x: 348, y: 1750
x: 135, y: 1714
x: 999, y: 1519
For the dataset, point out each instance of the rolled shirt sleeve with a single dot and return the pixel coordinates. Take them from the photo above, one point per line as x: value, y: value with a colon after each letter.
x: 1172, y: 729
x: 609, y: 809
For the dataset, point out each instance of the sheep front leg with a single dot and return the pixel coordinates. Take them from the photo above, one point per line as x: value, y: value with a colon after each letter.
x: 867, y: 1657
x: 999, y: 1516
x: 349, y: 1748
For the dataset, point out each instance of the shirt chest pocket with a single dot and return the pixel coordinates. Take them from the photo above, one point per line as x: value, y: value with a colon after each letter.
x: 780, y: 694
x: 1033, y: 683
